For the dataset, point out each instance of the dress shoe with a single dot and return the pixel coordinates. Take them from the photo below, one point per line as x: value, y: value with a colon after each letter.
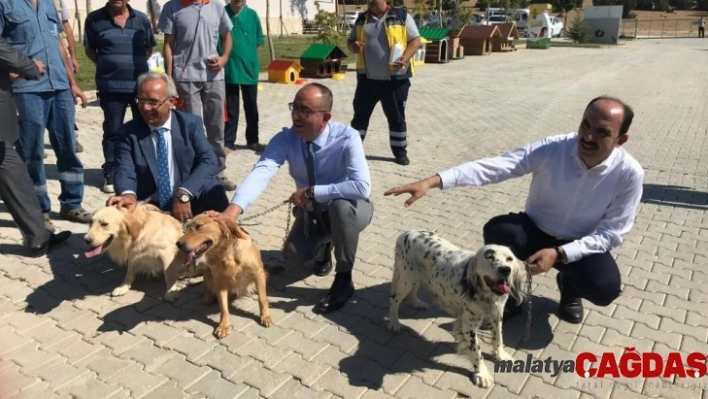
x: 402, y: 160
x: 570, y: 308
x: 322, y: 268
x: 53, y: 241
x: 336, y: 297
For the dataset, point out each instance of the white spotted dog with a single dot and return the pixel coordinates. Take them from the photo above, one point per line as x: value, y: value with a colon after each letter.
x: 472, y: 287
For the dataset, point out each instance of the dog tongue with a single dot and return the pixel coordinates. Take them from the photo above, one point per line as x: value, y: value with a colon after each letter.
x: 502, y: 287
x: 94, y: 252
x: 190, y: 257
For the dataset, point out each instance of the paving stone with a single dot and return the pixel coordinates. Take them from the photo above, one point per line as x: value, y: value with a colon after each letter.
x: 301, y: 369
x: 88, y: 387
x: 415, y: 388
x: 38, y: 390
x: 259, y: 377
x: 338, y: 384
x: 170, y: 390
x: 14, y: 381
x: 260, y: 350
x: 308, y: 348
x: 213, y: 386
x: 191, y: 346
x: 293, y: 389
x: 149, y: 355
x: 118, y: 341
x: 136, y: 380
x: 158, y: 332
x: 58, y: 373
x: 30, y: 357
x: 180, y: 370
x: 221, y: 359
x: 76, y: 349
x: 11, y: 340
x: 104, y: 364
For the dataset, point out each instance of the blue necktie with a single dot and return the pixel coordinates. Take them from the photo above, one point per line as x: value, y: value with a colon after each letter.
x: 163, y: 171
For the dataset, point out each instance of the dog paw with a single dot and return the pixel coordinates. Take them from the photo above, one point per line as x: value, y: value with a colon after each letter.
x: 171, y: 296
x: 482, y: 379
x: 503, y: 355
x: 394, y: 326
x: 222, y: 331
x: 266, y: 321
x: 120, y: 291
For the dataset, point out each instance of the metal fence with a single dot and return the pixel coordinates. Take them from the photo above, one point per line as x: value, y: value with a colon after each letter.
x: 658, y: 28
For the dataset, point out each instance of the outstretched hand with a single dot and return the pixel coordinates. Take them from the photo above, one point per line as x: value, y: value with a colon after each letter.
x: 542, y: 261
x: 231, y: 213
x: 127, y: 201
x: 416, y: 190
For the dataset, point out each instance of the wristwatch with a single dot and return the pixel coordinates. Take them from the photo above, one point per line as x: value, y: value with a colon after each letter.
x: 183, y: 197
x: 310, y: 193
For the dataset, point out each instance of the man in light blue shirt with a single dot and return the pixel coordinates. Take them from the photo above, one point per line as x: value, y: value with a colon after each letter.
x: 331, y: 193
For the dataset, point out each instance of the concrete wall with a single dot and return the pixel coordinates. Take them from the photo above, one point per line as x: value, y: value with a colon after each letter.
x: 293, y: 11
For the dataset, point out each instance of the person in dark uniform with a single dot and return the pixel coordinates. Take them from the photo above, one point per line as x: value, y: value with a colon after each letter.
x: 16, y: 187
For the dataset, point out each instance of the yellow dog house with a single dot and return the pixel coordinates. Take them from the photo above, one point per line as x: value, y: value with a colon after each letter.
x: 284, y: 71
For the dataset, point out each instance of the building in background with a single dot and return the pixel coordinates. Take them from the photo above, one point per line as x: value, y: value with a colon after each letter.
x: 286, y: 16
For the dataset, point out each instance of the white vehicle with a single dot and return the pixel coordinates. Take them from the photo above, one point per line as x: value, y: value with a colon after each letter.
x: 556, y: 27
x: 350, y: 17
x: 500, y: 16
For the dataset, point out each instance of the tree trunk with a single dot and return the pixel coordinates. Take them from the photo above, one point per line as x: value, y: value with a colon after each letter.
x: 271, y: 49
x: 77, y: 19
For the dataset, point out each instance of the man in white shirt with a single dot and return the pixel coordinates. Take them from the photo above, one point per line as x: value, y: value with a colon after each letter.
x: 582, y: 201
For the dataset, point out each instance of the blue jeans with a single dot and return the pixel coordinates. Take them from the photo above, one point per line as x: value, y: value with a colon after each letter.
x: 54, y: 111
x: 114, y: 106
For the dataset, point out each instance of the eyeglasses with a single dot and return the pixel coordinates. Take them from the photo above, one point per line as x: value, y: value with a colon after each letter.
x: 150, y: 103
x: 306, y: 112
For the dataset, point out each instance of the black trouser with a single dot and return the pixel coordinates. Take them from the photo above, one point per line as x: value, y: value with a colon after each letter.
x: 701, y: 32
x: 393, y: 95
x: 250, y: 107
x: 114, y: 106
x: 595, y: 277
x: 17, y: 191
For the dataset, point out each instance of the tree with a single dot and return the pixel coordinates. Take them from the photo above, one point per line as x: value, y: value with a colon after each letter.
x: 329, y: 27
x: 564, y: 6
x: 271, y: 48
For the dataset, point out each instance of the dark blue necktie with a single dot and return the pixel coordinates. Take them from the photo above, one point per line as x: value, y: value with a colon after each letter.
x: 163, y: 171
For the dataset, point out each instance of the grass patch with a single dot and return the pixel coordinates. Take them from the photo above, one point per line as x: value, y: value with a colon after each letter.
x: 286, y: 47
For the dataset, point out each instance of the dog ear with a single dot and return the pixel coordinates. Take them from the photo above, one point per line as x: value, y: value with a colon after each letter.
x: 517, y: 281
x: 231, y: 228
x: 132, y: 226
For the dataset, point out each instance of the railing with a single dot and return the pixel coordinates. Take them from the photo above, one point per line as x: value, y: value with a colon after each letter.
x: 658, y: 28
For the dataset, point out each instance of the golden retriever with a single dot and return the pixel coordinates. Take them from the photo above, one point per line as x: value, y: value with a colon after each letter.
x: 234, y: 265
x: 142, y: 240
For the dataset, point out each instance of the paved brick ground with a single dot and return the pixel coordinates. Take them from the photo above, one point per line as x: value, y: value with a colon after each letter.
x: 64, y: 336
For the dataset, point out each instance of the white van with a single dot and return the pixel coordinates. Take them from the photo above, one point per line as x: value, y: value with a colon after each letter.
x: 520, y: 16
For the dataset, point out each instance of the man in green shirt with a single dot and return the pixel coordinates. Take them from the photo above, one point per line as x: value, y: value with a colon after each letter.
x: 242, y: 73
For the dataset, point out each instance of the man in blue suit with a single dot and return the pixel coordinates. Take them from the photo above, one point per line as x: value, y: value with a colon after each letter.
x: 165, y: 157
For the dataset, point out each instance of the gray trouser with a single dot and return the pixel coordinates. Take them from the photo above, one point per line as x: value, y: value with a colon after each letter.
x: 343, y: 222
x: 207, y: 100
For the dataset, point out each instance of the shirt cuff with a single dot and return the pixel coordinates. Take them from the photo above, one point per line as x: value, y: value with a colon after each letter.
x: 129, y: 192
x: 186, y: 191
x: 572, y: 251
x: 447, y: 177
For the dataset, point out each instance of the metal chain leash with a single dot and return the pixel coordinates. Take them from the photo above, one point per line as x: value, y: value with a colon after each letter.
x: 267, y: 211
x: 529, y: 313
x: 271, y: 209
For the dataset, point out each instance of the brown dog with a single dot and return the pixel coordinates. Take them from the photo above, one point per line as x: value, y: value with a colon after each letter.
x: 234, y: 265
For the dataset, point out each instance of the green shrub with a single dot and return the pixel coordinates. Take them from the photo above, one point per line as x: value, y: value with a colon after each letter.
x: 578, y: 31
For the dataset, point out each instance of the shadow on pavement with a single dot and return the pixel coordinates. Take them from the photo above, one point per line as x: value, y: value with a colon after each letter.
x: 677, y: 196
